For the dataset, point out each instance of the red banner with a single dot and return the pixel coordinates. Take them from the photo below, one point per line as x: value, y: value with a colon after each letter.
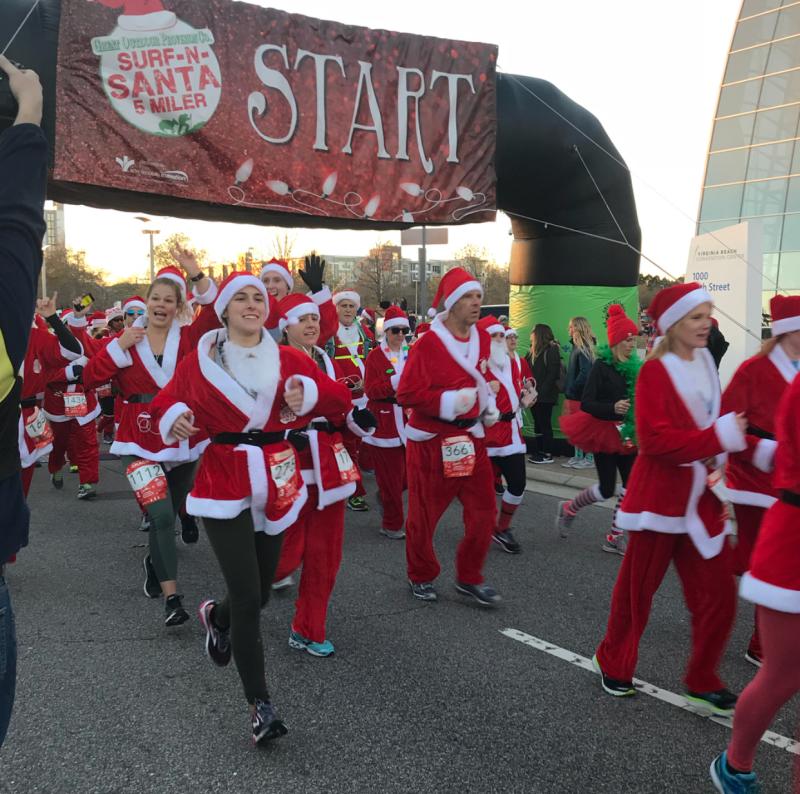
x: 234, y: 104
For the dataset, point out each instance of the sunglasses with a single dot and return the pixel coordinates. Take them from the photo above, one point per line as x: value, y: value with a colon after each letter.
x: 398, y: 330
x: 135, y: 313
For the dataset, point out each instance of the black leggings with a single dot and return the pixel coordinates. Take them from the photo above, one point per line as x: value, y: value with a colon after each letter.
x: 607, y: 465
x: 248, y: 560
x: 512, y: 467
x: 543, y: 426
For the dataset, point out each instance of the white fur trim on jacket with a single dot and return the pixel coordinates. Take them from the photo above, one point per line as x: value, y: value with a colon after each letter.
x: 183, y: 453
x: 329, y: 497
x: 768, y: 595
x: 70, y: 355
x: 209, y: 296
x: 323, y: 296
x: 69, y: 371
x: 27, y: 459
x: 395, y: 380
x: 729, y: 434
x: 783, y: 363
x: 122, y: 358
x: 753, y: 498
x: 166, y: 422
x: 764, y: 456
x: 310, y: 394
x: 452, y: 403
x: 81, y: 420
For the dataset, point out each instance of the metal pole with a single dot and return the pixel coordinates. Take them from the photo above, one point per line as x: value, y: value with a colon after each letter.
x: 423, y: 277
x: 44, y: 277
x: 152, y: 259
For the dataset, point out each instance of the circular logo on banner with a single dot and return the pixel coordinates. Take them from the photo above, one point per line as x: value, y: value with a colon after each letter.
x: 159, y: 73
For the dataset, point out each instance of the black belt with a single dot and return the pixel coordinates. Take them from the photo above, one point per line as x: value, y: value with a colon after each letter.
x: 791, y: 498
x: 324, y: 427
x: 752, y: 430
x: 255, y: 438
x: 392, y: 400
x: 462, y: 424
x: 28, y: 402
x: 140, y: 398
x: 509, y: 417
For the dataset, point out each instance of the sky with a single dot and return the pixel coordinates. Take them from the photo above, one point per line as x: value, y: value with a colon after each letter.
x: 649, y: 71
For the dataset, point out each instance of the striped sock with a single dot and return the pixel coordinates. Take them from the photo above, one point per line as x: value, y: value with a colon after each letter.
x: 588, y: 496
x: 614, y: 529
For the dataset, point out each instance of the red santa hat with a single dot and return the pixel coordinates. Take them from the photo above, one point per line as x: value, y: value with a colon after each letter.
x: 511, y: 331
x: 619, y: 326
x: 291, y: 308
x: 422, y: 328
x: 65, y: 313
x: 134, y: 302
x: 491, y: 325
x: 785, y: 311
x: 172, y: 273
x: 281, y: 268
x: 114, y: 313
x: 234, y: 282
x: 672, y: 304
x: 454, y: 285
x: 98, y: 320
x: 346, y: 295
x: 395, y: 317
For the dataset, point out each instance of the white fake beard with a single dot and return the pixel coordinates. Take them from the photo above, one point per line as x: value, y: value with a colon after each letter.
x: 348, y: 335
x: 499, y: 354
x: 256, y: 368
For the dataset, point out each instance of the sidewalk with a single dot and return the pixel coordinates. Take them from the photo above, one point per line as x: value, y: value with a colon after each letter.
x: 552, y: 479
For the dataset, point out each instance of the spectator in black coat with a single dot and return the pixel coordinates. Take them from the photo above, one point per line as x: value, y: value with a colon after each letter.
x: 545, y: 362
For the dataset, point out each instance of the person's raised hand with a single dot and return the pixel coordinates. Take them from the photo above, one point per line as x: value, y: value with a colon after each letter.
x: 314, y: 273
x: 46, y: 307
x: 187, y: 259
x: 26, y: 89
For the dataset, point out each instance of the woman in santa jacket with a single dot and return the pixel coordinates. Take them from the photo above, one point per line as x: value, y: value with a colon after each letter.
x: 384, y: 365
x: 140, y: 362
x: 773, y: 584
x: 244, y: 392
x: 670, y: 511
x: 315, y: 539
x: 504, y: 444
x: 756, y: 390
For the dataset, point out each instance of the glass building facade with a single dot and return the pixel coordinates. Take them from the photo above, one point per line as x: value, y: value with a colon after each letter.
x: 753, y: 167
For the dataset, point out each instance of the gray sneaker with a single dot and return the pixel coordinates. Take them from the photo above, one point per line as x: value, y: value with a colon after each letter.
x: 563, y: 519
x: 615, y: 543
x: 393, y: 534
x: 424, y: 591
x: 484, y: 594
x: 584, y: 463
x: 282, y: 584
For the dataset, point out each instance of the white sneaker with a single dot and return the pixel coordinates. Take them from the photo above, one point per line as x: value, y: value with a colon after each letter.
x: 282, y: 584
x: 570, y: 463
x: 583, y: 463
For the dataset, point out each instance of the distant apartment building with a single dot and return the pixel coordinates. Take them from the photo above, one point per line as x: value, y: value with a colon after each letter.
x: 54, y: 218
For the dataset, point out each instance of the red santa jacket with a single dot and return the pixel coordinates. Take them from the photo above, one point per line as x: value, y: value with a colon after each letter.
x: 138, y: 377
x: 668, y: 487
x: 436, y: 369
x: 348, y: 361
x: 383, y: 370
x: 505, y: 437
x: 774, y: 576
x: 236, y: 477
x: 756, y: 390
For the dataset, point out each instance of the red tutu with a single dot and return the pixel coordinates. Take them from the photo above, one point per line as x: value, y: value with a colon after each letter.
x: 593, y: 435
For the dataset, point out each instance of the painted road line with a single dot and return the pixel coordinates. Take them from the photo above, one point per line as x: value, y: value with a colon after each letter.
x: 664, y: 695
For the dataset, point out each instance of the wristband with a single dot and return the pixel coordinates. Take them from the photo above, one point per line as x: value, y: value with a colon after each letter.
x: 199, y: 277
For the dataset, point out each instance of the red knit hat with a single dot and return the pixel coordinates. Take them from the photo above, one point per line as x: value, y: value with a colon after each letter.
x: 785, y: 311
x: 454, y: 285
x: 672, y: 304
x: 490, y: 324
x: 291, y: 308
x: 233, y: 283
x: 174, y: 274
x: 395, y: 317
x: 619, y: 326
x: 280, y: 267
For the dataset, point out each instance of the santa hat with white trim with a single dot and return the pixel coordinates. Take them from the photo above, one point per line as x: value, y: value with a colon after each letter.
x: 672, y: 304
x: 491, y: 325
x: 98, y: 320
x: 114, y: 313
x: 279, y: 267
x: 511, y: 332
x: 395, y: 317
x: 172, y: 273
x: 785, y: 311
x: 134, y: 302
x: 234, y: 282
x: 346, y: 295
x: 454, y: 285
x: 291, y: 308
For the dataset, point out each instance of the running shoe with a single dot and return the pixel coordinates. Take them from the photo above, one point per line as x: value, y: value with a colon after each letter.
x: 393, y: 534
x: 144, y: 524
x: 58, y: 480
x: 73, y: 469
x: 424, y: 591
x: 568, y: 464
x: 541, y: 458
x: 152, y: 587
x: 720, y: 703
x: 174, y: 613
x: 727, y: 782
x: 108, y: 438
x: 584, y: 463
x: 86, y: 491
x: 265, y: 722
x: 357, y: 504
x: 300, y: 643
x: 615, y: 687
x: 615, y: 543
x: 189, y: 531
x: 564, y: 519
x: 282, y: 584
x: 507, y: 542
x: 484, y: 594
x: 754, y: 658
x: 218, y: 642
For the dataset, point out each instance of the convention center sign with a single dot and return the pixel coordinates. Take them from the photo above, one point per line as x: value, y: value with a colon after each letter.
x: 252, y: 110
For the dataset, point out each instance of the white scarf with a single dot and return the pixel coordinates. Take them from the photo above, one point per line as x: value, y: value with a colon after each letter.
x: 257, y: 368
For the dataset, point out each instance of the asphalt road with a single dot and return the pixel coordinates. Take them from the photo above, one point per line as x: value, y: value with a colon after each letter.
x: 418, y: 698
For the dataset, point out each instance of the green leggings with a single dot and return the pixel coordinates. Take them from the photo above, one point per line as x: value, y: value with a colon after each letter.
x: 162, y: 519
x: 248, y: 560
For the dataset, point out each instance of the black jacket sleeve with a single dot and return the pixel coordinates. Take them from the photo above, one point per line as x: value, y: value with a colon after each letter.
x: 596, y: 400
x: 582, y: 376
x: 552, y: 369
x: 64, y: 336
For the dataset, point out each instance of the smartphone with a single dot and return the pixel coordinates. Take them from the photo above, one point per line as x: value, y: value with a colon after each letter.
x: 82, y: 303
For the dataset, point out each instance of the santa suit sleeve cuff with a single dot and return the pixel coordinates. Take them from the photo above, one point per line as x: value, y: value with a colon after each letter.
x: 209, y: 296
x: 764, y: 456
x: 355, y: 429
x: 76, y: 322
x: 168, y: 419
x: 395, y: 380
x: 447, y: 405
x: 79, y: 362
x: 323, y: 296
x: 310, y: 394
x: 122, y: 358
x: 70, y: 355
x: 728, y: 433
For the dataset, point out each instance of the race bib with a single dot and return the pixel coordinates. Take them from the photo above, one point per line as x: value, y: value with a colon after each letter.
x: 75, y: 404
x: 458, y: 456
x: 284, y: 473
x: 148, y: 481
x: 38, y: 429
x: 347, y: 469
x: 104, y: 391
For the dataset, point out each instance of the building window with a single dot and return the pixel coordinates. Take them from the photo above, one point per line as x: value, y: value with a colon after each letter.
x: 746, y: 64
x: 765, y: 198
x: 750, y: 7
x: 774, y: 159
x: 739, y: 98
x: 757, y: 30
x: 722, y: 202
x: 733, y: 132
x: 727, y: 167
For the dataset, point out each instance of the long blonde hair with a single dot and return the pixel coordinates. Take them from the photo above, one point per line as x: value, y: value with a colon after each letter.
x: 585, y: 339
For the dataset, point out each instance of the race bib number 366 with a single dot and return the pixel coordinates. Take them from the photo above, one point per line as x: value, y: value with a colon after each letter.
x: 148, y: 481
x: 458, y: 456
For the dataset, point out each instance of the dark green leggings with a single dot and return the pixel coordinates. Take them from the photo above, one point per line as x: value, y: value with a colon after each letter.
x: 248, y: 560
x: 162, y: 519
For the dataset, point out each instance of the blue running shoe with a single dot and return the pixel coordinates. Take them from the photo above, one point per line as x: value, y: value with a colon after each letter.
x: 300, y: 643
x: 725, y: 782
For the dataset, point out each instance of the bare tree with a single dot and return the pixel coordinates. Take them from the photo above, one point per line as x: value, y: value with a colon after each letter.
x: 283, y: 245
x: 162, y: 253
x: 378, y: 276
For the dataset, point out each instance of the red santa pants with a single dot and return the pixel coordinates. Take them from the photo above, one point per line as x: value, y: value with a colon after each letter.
x: 390, y: 474
x: 80, y: 443
x: 27, y: 478
x: 709, y: 589
x: 429, y: 495
x: 748, y: 522
x: 352, y: 444
x: 315, y: 540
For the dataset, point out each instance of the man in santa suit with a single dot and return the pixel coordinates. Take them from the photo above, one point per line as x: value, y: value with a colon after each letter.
x: 444, y: 383
x: 504, y: 443
x: 384, y: 367
x: 348, y: 349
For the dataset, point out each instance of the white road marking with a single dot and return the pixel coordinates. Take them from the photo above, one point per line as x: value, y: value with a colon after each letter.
x: 775, y: 739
